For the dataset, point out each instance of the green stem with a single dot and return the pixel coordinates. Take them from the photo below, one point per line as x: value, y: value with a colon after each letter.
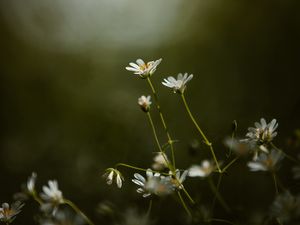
x: 138, y: 168
x: 170, y: 140
x: 218, y: 195
x: 275, y: 183
x: 229, y: 164
x: 149, y: 208
x: 286, y: 155
x: 217, y: 188
x: 36, y: 198
x: 77, y: 210
x: 184, y: 205
x: 206, y: 141
x: 188, y: 195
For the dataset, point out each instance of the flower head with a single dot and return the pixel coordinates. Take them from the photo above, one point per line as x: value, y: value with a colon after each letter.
x: 266, y: 162
x: 178, y: 179
x: 31, y: 183
x: 262, y: 133
x: 153, y: 184
x: 112, y: 174
x: 52, y: 193
x: 143, y: 69
x: 8, y: 213
x: 204, y: 170
x: 160, y: 161
x: 178, y: 85
x: 286, y: 208
x: 144, y: 102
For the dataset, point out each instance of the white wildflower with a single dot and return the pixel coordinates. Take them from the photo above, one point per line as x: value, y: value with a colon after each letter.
x: 8, y: 213
x: 111, y: 175
x: 153, y: 184
x: 204, y: 170
x: 262, y: 133
x: 239, y: 147
x: 143, y: 69
x: 178, y: 85
x: 31, y: 183
x: 144, y: 102
x: 160, y: 161
x: 266, y: 162
x: 52, y: 193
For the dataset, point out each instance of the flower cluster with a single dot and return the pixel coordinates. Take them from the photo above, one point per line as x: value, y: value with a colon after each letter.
x: 111, y: 175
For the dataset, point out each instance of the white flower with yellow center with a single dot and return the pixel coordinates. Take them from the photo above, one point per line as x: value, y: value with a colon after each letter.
x: 178, y: 85
x: 8, y: 213
x: 143, y: 69
x: 145, y: 102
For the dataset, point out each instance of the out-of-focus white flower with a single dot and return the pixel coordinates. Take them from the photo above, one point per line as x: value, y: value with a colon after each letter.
x: 266, y: 162
x: 144, y: 102
x: 178, y: 85
x: 8, y: 213
x: 179, y: 179
x: 153, y: 184
x: 262, y: 133
x: 240, y: 148
x: 160, y: 161
x: 31, y: 183
x: 111, y: 175
x: 143, y: 69
x: 52, y: 193
x: 204, y: 170
x: 286, y: 208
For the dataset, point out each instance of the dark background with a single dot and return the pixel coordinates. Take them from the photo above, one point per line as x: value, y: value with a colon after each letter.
x: 69, y: 108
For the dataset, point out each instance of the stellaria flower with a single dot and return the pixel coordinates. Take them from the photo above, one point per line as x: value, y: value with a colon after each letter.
x: 153, y: 184
x: 112, y: 174
x: 8, y: 214
x: 262, y: 133
x: 31, y: 183
x: 144, y: 102
x: 239, y: 147
x: 266, y: 162
x: 179, y: 178
x: 160, y: 161
x: 178, y: 85
x: 286, y: 208
x: 143, y: 69
x: 204, y: 170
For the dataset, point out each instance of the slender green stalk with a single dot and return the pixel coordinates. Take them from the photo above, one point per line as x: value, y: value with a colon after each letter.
x: 137, y: 168
x: 149, y: 208
x: 170, y: 140
x: 218, y: 195
x: 77, y: 210
x: 184, y: 205
x: 188, y: 195
x: 36, y: 198
x: 275, y: 183
x: 230, y: 164
x: 217, y: 188
x: 285, y: 154
x: 206, y: 141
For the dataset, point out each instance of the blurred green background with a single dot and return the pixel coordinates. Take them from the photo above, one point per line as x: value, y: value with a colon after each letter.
x: 69, y: 108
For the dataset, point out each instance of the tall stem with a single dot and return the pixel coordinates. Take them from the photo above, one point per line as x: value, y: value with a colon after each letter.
x: 170, y: 140
x: 275, y: 183
x: 286, y: 155
x: 184, y: 205
x: 206, y: 141
x: 218, y: 195
x: 77, y: 210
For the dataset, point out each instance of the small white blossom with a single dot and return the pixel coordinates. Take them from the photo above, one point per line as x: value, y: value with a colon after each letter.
x: 111, y: 175
x: 239, y: 147
x: 179, y: 179
x: 160, y: 161
x: 153, y: 184
x: 286, y: 208
x: 144, y: 102
x: 262, y: 133
x: 143, y: 69
x: 266, y: 162
x: 52, y: 193
x: 204, y: 170
x: 178, y: 85
x: 31, y: 183
x: 8, y: 213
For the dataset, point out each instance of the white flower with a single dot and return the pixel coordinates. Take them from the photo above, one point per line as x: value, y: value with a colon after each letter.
x: 52, y: 193
x: 204, y: 170
x: 286, y: 208
x: 239, y: 147
x: 160, y: 161
x: 8, y: 214
x: 153, y: 184
x: 179, y: 179
x: 266, y: 162
x: 262, y: 133
x: 31, y: 183
x: 178, y: 85
x: 145, y: 103
x: 143, y: 69
x: 112, y: 174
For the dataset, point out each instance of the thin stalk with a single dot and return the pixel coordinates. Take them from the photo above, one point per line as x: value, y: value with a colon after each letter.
x: 170, y: 140
x: 206, y: 141
x: 137, y: 168
x: 36, y: 198
x: 275, y: 183
x: 285, y: 154
x: 217, y: 188
x: 149, y: 208
x: 188, y: 195
x: 77, y: 210
x: 230, y: 164
x: 218, y: 195
x: 184, y: 205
